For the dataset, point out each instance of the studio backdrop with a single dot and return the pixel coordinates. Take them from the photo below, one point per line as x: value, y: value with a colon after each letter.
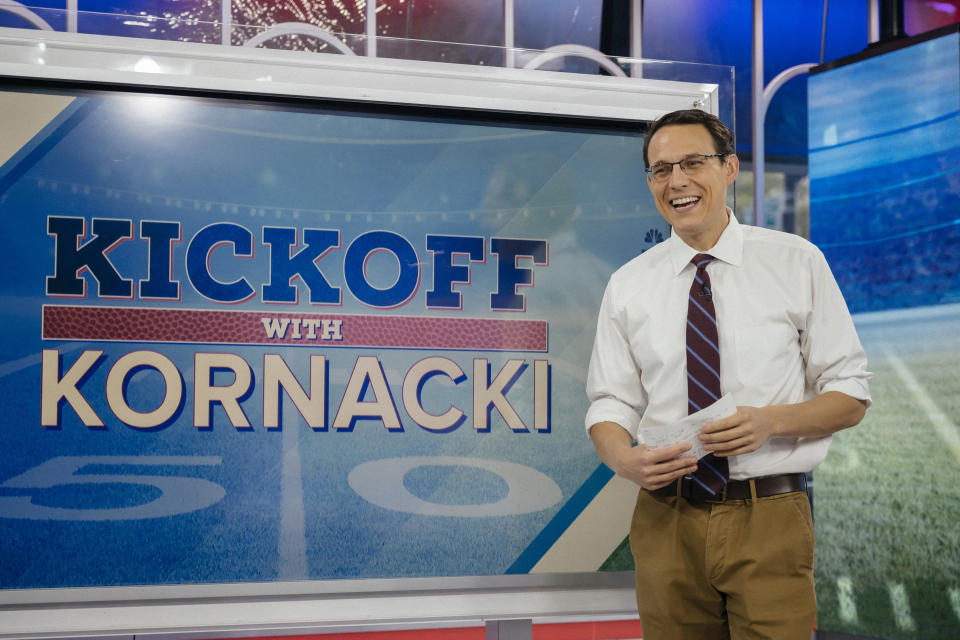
x: 252, y: 338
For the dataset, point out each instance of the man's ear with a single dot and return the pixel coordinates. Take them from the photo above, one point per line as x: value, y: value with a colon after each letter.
x: 732, y: 167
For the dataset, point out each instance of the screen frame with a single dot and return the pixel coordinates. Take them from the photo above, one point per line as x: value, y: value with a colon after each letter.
x: 179, y: 66
x: 84, y: 62
x: 886, y: 46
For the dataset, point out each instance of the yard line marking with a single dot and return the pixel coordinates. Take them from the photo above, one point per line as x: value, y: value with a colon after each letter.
x: 848, y: 608
x: 852, y: 460
x: 293, y: 539
x: 944, y: 427
x: 955, y: 600
x: 901, y: 606
x: 843, y: 458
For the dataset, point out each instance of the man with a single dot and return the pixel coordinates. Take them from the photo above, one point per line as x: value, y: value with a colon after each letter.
x: 717, y: 560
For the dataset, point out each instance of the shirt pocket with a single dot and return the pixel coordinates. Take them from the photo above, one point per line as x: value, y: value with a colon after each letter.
x: 765, y: 353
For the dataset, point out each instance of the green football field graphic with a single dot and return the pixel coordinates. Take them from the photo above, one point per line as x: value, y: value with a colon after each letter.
x: 887, y: 499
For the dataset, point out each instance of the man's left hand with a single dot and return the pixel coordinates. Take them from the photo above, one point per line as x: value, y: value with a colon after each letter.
x: 743, y: 432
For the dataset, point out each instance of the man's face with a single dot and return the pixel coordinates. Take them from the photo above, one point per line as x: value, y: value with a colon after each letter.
x: 694, y: 205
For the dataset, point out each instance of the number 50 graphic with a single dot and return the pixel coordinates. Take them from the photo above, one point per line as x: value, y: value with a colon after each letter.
x: 178, y: 495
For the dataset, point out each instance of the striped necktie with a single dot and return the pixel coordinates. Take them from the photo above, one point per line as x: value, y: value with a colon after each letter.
x: 703, y: 367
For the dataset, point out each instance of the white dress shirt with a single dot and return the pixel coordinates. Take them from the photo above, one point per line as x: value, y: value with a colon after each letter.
x: 785, y: 336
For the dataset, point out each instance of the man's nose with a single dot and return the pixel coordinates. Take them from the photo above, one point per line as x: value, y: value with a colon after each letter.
x: 677, y: 176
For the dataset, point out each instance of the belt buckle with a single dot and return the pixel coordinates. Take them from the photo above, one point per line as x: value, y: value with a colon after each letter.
x: 716, y: 498
x: 723, y: 492
x: 693, y: 493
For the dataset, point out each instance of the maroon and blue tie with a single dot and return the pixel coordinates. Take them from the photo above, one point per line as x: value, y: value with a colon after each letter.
x: 703, y: 368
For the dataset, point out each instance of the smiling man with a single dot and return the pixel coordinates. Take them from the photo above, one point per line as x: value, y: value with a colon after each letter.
x: 723, y: 546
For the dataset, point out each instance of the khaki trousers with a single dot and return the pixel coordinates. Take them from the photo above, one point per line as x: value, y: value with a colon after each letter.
x: 741, y: 569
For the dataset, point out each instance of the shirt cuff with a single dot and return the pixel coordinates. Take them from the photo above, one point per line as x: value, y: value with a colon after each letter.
x: 612, y: 410
x: 852, y: 387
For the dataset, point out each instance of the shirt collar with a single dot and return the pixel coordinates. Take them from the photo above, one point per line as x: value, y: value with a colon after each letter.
x: 729, y: 248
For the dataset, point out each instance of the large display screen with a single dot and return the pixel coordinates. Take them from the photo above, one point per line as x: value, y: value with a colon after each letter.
x: 884, y: 202
x: 272, y: 340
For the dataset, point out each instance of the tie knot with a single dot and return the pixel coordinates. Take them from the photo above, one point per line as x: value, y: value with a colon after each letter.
x: 702, y: 260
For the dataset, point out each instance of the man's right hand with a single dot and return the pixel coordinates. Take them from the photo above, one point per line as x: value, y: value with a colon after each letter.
x: 649, y: 468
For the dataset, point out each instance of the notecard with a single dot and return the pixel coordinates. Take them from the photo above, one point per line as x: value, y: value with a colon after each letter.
x: 688, y: 429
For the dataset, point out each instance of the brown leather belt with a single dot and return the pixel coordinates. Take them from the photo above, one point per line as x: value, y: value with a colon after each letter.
x: 765, y: 486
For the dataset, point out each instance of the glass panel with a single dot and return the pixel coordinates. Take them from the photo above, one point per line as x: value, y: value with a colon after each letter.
x: 544, y: 23
x: 476, y: 22
x: 172, y: 166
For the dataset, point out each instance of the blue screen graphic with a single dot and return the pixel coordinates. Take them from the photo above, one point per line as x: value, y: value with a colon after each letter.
x: 884, y: 184
x: 123, y: 473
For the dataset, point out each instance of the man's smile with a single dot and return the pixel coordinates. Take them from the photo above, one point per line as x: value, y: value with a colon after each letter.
x: 684, y: 203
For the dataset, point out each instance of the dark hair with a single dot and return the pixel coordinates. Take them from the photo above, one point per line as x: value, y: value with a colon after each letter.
x: 722, y: 137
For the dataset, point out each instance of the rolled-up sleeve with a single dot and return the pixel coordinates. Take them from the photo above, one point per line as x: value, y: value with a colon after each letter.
x: 613, y: 378
x: 835, y: 359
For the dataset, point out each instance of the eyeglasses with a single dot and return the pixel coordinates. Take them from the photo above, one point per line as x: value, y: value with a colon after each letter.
x: 691, y: 165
